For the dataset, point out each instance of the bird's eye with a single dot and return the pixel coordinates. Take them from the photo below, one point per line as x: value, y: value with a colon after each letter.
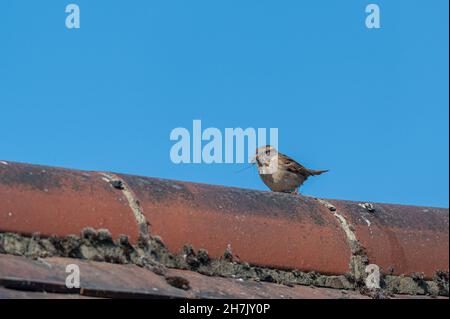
x: 267, y: 152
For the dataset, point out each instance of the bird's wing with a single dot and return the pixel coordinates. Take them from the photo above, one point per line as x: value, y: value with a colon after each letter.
x: 293, y: 166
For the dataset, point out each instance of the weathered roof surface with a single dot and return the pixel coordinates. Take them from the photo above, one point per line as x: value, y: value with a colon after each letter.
x: 404, y: 239
x: 266, y: 229
x: 25, y: 278
x: 55, y: 201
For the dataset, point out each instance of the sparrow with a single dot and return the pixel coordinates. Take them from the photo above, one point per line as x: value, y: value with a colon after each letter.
x: 280, y: 172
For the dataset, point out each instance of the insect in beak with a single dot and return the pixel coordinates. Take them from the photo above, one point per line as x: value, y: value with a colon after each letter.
x: 252, y: 163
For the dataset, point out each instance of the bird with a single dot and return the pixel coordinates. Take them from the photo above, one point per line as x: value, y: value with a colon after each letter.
x: 280, y: 172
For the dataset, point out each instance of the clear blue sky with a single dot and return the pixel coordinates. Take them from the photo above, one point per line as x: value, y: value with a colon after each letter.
x: 370, y: 105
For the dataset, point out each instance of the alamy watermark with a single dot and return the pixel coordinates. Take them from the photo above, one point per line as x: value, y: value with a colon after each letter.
x: 373, y: 18
x: 373, y: 277
x: 73, y: 277
x: 210, y: 145
x: 73, y: 17
x: 372, y: 21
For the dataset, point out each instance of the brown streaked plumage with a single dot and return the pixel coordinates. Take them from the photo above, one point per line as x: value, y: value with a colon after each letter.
x: 280, y: 172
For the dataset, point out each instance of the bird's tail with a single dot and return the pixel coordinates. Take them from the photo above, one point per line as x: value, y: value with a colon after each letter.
x: 314, y: 172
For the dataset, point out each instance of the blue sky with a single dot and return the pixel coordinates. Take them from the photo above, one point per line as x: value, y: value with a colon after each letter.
x: 370, y: 105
